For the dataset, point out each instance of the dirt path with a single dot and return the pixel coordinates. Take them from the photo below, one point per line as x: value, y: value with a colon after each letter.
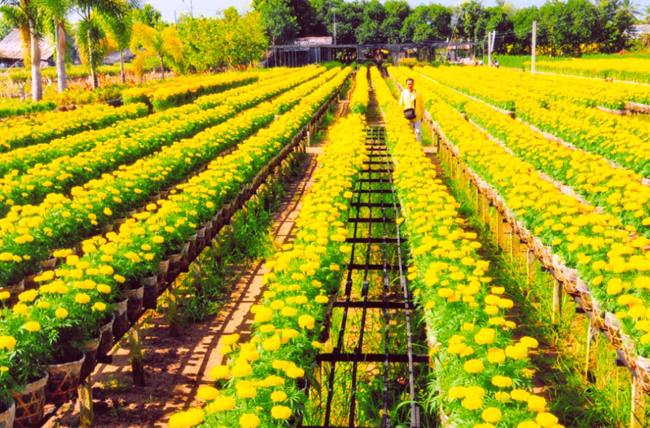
x: 176, y: 366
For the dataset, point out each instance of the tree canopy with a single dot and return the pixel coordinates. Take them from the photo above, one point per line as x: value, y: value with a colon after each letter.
x: 564, y: 26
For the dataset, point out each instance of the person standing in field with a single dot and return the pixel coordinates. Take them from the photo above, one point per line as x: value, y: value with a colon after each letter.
x: 411, y: 102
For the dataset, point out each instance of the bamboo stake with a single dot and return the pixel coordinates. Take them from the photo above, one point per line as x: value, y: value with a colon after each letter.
x: 590, y: 352
x: 85, y: 396
x: 557, y: 301
x: 637, y: 414
x: 137, y: 366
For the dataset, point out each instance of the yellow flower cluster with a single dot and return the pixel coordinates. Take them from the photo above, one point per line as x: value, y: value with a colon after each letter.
x: 71, y: 169
x: 615, y: 138
x: 93, y: 204
x: 12, y: 107
x: 275, y: 76
x: 180, y: 90
x: 261, y: 378
x: 619, y: 191
x: 611, y: 259
x: 20, y: 160
x: 360, y: 94
x: 620, y: 68
x: 478, y: 362
x: 42, y: 127
x: 82, y: 284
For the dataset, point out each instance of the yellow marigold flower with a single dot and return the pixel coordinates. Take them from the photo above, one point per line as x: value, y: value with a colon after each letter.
x: 278, y: 396
x: 249, y: 420
x: 472, y: 403
x: 445, y: 292
x: 224, y: 403
x: 501, y: 381
x: 485, y: 336
x: 103, y: 288
x: 272, y: 343
x: 99, y: 306
x: 82, y: 298
x: 186, y: 419
x: 272, y: 380
x: 614, y: 286
x: 517, y: 352
x: 32, y: 326
x: 491, y: 414
x: 207, y: 393
x: 295, y: 372
x: 28, y: 295
x: 473, y: 366
x: 220, y: 372
x: 288, y: 311
x: 280, y: 412
x: 501, y: 396
x: 321, y: 299
x: 306, y: 322
x: 241, y: 368
x: 519, y: 395
x: 529, y: 342
x: 545, y: 419
x: 245, y: 389
x: 106, y: 270
x: 536, y: 403
x: 230, y: 339
x: 7, y: 342
x: 61, y: 313
x: 527, y: 424
x: 20, y: 309
x: 457, y: 392
x: 4, y: 295
x: 263, y: 314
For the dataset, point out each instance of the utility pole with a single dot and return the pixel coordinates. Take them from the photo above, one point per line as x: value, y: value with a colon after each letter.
x: 533, y: 48
x: 491, y: 37
x: 334, y: 11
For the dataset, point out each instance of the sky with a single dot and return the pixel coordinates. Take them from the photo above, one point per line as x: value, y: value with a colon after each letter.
x: 213, y: 7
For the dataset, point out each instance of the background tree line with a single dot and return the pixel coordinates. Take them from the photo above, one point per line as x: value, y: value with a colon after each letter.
x: 104, y: 26
x: 564, y: 27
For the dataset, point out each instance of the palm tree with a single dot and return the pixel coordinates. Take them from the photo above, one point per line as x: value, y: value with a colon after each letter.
x: 119, y: 31
x: 90, y: 35
x: 25, y: 14
x: 57, y: 10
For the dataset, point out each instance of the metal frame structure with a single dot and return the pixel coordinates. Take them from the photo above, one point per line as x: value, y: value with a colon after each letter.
x: 299, y: 55
x: 372, y: 237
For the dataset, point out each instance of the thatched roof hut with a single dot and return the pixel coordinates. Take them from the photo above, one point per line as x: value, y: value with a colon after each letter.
x: 11, y: 51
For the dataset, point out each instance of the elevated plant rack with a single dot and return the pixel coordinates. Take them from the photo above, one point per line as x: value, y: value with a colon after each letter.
x: 371, y: 324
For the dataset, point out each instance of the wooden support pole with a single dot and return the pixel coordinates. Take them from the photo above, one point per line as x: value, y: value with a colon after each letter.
x: 531, y: 273
x: 590, y: 351
x: 637, y: 412
x: 137, y: 365
x: 557, y: 301
x: 486, y: 211
x: 85, y: 396
x: 496, y: 225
